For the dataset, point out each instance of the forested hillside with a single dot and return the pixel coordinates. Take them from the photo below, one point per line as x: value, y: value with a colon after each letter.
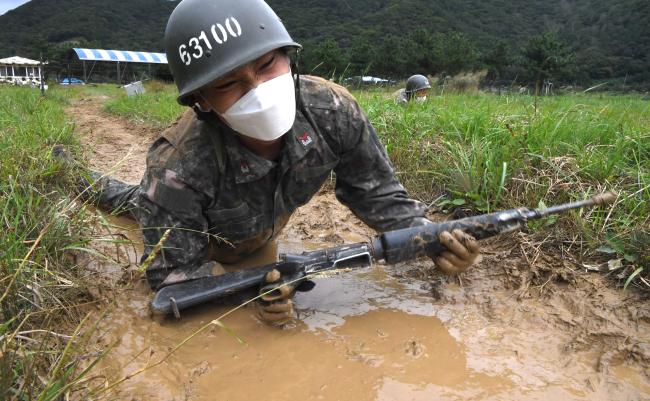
x: 607, y: 39
x: 119, y: 24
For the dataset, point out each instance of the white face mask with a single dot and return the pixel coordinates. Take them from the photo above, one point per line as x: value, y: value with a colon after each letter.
x: 421, y: 99
x: 266, y: 112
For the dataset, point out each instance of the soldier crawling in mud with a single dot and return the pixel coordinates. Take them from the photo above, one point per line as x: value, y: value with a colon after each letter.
x: 259, y: 142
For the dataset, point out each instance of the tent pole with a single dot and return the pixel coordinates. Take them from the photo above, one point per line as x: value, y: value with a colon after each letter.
x: 41, y: 76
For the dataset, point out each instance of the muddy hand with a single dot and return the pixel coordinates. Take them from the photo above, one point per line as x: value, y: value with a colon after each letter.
x: 275, y: 306
x: 462, y: 251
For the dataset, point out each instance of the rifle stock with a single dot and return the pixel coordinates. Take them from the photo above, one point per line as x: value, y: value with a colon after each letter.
x: 391, y: 247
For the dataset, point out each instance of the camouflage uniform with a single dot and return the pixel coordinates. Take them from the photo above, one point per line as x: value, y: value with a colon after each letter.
x: 204, y: 184
x: 400, y: 96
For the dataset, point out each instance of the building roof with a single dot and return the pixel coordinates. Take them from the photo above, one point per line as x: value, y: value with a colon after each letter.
x: 15, y: 60
x: 123, y: 56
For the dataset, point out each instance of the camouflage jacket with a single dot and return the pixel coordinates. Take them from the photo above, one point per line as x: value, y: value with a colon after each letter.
x: 400, y: 96
x: 223, y: 202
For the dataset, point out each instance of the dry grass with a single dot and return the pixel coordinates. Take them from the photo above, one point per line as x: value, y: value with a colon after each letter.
x: 467, y: 82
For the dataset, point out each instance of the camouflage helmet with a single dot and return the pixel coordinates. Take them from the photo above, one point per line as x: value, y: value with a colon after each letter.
x: 206, y: 39
x: 416, y: 83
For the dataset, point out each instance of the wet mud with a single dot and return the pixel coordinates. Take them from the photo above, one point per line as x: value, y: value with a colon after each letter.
x: 519, y: 325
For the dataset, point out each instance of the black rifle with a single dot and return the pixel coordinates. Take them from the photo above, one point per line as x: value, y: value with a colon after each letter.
x: 391, y: 247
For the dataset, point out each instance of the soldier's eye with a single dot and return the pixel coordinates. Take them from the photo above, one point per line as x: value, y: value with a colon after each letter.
x: 225, y: 86
x: 268, y: 63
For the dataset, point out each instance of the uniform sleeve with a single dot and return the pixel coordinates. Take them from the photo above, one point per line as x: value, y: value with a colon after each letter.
x: 167, y: 203
x: 365, y: 178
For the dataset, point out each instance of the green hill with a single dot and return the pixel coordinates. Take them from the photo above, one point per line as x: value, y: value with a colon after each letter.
x: 610, y: 38
x: 128, y: 24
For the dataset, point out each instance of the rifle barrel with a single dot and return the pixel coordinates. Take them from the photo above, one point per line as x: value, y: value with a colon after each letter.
x: 600, y: 199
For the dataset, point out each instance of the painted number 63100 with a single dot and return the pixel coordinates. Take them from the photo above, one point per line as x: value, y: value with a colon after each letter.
x: 220, y: 34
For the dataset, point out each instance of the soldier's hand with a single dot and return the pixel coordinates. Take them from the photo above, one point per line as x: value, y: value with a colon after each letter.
x: 462, y: 251
x: 275, y: 306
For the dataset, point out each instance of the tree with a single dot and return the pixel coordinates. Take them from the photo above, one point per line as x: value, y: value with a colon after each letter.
x: 453, y: 53
x: 497, y: 60
x: 361, y: 57
x: 389, y: 58
x: 545, y: 56
x: 419, y: 51
x: 326, y: 59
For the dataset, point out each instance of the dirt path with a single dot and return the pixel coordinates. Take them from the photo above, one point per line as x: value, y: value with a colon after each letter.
x: 111, y: 144
x: 520, y: 325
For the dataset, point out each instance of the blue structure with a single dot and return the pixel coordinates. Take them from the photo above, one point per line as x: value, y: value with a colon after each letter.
x: 120, y: 57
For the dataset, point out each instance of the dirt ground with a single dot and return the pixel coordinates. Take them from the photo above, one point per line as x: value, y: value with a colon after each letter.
x: 521, y: 324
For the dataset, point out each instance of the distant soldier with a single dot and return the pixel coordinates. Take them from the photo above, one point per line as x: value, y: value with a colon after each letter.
x: 417, y: 87
x: 257, y: 141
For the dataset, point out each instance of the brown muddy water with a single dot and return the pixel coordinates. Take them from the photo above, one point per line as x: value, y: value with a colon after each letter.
x: 366, y: 335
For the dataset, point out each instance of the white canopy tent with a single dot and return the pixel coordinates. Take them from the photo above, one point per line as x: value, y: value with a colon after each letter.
x: 21, y: 71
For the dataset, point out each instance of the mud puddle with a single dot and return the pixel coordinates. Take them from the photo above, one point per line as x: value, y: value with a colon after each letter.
x: 387, y: 332
x: 365, y: 335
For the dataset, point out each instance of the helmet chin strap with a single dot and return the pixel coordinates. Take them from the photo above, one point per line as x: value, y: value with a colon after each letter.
x: 198, y: 109
x: 295, y: 70
x: 197, y: 106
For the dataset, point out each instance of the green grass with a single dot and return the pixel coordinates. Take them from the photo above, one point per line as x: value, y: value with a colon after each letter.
x: 493, y: 152
x: 41, y: 285
x: 157, y: 107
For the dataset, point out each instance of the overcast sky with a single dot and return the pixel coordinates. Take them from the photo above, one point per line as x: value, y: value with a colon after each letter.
x: 6, y: 5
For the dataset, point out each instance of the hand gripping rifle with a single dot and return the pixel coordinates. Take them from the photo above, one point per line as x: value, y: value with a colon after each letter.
x: 391, y: 247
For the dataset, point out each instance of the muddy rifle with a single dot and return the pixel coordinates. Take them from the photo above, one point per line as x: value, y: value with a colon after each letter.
x: 391, y: 247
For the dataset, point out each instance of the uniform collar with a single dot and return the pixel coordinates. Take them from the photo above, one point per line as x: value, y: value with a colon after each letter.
x: 249, y: 167
x: 246, y: 165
